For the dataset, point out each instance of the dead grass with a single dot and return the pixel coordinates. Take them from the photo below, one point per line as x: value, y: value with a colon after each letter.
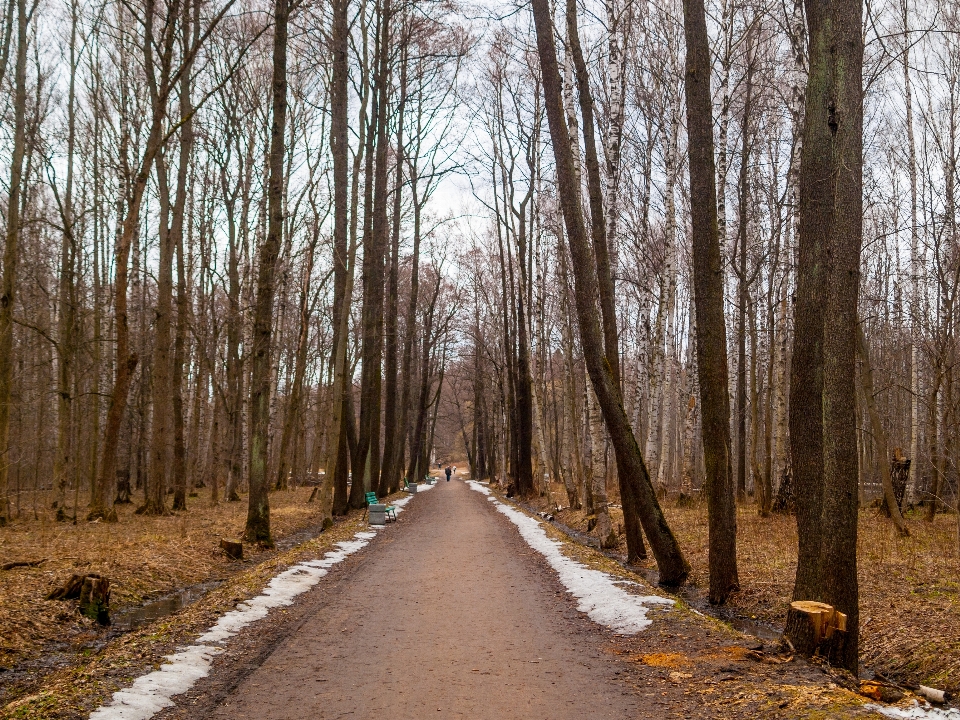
x: 144, y: 557
x: 909, y: 587
x: 74, y: 689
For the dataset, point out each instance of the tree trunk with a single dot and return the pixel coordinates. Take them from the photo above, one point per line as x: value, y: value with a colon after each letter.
x: 879, y: 434
x: 711, y: 326
x: 258, y: 512
x: 822, y: 408
x: 127, y: 360
x: 291, y: 419
x: 191, y: 27
x: 393, y: 430
x: 11, y: 252
x: 603, y: 227
x: 333, y: 492
x: 743, y: 289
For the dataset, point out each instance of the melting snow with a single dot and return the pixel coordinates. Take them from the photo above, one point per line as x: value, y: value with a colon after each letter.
x: 917, y: 712
x: 599, y: 595
x: 153, y: 692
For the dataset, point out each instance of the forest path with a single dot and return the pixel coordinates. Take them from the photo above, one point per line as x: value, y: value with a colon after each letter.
x: 447, y: 614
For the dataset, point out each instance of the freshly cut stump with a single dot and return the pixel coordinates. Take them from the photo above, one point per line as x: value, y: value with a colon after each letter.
x: 816, y: 628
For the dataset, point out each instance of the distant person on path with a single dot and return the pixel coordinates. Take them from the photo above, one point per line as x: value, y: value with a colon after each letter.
x: 454, y: 470
x: 449, y: 471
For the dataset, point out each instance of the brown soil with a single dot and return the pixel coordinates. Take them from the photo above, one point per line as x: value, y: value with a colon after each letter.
x: 909, y: 592
x: 450, y: 614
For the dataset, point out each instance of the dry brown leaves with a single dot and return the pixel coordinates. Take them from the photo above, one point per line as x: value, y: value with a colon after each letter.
x: 909, y: 587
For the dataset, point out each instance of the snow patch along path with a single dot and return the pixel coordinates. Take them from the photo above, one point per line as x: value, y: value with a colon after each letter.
x: 601, y: 596
x: 916, y: 712
x: 153, y: 692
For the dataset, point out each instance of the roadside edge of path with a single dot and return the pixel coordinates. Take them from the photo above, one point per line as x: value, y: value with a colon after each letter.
x: 154, y: 692
x: 600, y: 597
x: 135, y: 676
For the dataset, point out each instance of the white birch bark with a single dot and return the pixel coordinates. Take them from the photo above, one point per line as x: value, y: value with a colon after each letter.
x: 659, y: 436
x: 723, y: 124
x: 915, y: 265
x: 612, y: 141
x: 690, y: 393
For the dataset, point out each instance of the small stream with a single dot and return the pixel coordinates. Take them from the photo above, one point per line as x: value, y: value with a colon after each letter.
x: 131, y: 618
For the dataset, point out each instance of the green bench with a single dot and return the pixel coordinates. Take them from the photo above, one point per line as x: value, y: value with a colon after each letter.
x: 390, y: 510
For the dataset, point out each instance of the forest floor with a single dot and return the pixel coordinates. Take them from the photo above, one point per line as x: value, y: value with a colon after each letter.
x: 909, y: 587
x: 451, y: 612
x: 145, y: 558
x: 454, y: 613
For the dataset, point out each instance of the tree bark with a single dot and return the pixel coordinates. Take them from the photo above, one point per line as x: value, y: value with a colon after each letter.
x: 11, y: 252
x: 393, y: 431
x: 599, y: 226
x: 126, y: 359
x: 369, y: 456
x: 711, y: 334
x: 258, y: 511
x: 822, y: 409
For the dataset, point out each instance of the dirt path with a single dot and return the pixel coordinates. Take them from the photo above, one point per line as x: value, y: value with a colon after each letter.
x: 448, y: 614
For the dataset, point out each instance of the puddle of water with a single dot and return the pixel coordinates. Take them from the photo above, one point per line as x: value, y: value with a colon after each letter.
x: 300, y: 537
x: 132, y: 618
x: 758, y: 630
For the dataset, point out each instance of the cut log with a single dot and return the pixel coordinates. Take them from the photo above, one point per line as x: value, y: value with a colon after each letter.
x: 815, y: 628
x: 933, y: 694
x: 95, y: 599
x: 22, y: 563
x: 234, y: 550
x: 882, y: 691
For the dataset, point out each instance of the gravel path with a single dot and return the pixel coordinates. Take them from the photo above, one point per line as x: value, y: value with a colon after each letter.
x: 448, y: 614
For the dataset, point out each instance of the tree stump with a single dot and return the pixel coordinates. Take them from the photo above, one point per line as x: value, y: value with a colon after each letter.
x: 815, y: 628
x: 783, y: 501
x: 93, y: 591
x: 70, y: 590
x: 95, y: 599
x: 234, y: 550
x: 124, y: 491
x: 899, y: 473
